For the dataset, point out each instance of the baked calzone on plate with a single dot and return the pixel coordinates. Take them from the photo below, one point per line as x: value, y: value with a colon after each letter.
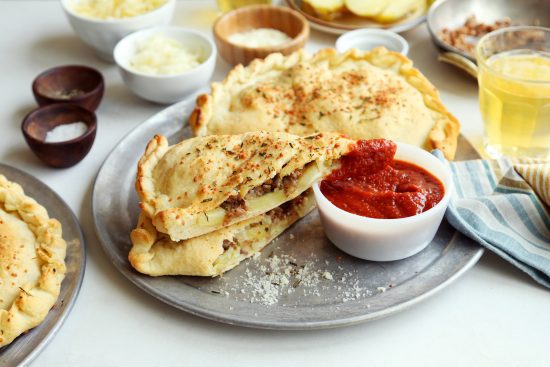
x: 32, y: 261
x: 375, y: 94
x: 211, y: 254
x: 206, y: 183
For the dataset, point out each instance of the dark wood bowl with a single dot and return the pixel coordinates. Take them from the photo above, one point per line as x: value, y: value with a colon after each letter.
x: 259, y: 16
x: 62, y: 154
x: 76, y: 84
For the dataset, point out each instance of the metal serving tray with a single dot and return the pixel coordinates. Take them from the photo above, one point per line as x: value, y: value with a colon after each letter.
x: 358, y: 291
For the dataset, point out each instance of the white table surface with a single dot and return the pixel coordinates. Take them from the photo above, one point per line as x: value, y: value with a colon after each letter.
x: 492, y: 316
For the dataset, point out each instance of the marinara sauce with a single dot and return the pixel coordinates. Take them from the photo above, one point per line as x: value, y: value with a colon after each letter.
x: 372, y: 184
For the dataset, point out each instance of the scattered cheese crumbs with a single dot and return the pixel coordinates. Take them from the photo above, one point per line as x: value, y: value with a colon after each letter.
x: 113, y: 9
x: 260, y: 37
x: 284, y: 280
x: 282, y: 275
x: 291, y: 236
x: 66, y: 132
x: 160, y: 55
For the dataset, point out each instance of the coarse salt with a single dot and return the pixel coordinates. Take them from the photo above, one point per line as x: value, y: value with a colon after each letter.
x: 66, y: 132
x: 161, y: 55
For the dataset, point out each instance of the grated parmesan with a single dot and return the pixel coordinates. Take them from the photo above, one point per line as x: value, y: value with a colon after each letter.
x: 160, y: 55
x: 114, y: 9
x: 278, y: 279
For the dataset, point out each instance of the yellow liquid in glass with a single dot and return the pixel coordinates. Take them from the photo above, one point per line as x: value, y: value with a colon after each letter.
x: 227, y: 5
x: 514, y: 93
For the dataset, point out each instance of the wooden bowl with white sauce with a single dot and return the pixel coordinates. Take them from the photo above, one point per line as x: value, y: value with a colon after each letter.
x: 252, y: 32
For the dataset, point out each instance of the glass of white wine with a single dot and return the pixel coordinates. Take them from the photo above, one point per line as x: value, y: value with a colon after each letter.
x: 227, y: 5
x: 514, y: 91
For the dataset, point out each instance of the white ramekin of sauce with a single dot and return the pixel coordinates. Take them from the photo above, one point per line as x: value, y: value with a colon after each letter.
x: 386, y: 238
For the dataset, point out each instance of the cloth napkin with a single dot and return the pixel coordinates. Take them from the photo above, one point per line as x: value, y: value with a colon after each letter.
x: 504, y: 205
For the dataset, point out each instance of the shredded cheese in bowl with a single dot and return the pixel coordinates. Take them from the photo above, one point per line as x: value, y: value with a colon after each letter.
x: 114, y: 9
x: 161, y: 55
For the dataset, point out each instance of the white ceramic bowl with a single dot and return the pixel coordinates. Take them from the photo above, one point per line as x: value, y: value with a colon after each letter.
x: 387, y: 239
x: 103, y: 34
x: 366, y: 39
x: 166, y: 88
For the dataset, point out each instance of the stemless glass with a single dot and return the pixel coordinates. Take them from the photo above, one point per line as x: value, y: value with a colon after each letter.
x: 227, y: 5
x: 514, y: 91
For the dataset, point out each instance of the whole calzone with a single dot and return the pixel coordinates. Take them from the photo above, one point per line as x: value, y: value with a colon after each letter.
x: 365, y: 95
x: 32, y: 261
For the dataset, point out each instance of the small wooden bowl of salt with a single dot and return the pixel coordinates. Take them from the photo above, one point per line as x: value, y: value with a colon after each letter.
x: 61, y: 134
x: 256, y: 31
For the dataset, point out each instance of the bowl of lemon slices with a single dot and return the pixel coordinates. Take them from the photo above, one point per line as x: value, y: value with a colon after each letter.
x: 340, y: 16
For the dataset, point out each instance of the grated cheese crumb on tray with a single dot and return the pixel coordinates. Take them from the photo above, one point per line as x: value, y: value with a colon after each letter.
x: 269, y: 281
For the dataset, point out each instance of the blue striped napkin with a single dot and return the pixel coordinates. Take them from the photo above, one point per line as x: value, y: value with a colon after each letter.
x: 496, y: 207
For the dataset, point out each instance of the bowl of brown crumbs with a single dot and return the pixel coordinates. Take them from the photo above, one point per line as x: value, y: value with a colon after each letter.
x: 457, y: 25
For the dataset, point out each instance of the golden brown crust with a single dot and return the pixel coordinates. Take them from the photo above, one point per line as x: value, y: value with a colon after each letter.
x: 181, y: 187
x: 397, y: 101
x: 32, y: 266
x: 212, y: 254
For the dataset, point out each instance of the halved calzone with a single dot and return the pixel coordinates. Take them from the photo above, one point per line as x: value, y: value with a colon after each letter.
x: 211, y: 254
x: 203, y: 184
x: 365, y: 95
x: 32, y: 264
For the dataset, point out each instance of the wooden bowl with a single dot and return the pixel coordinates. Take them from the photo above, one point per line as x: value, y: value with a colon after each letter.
x: 76, y: 84
x: 63, y: 154
x: 259, y: 16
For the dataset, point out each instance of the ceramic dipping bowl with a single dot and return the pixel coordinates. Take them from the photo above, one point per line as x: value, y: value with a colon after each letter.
x: 387, y: 239
x: 166, y: 88
x: 102, y: 35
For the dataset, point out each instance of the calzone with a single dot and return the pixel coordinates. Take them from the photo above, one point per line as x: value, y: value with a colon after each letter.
x: 206, y: 183
x: 211, y: 254
x: 365, y: 95
x: 32, y: 261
